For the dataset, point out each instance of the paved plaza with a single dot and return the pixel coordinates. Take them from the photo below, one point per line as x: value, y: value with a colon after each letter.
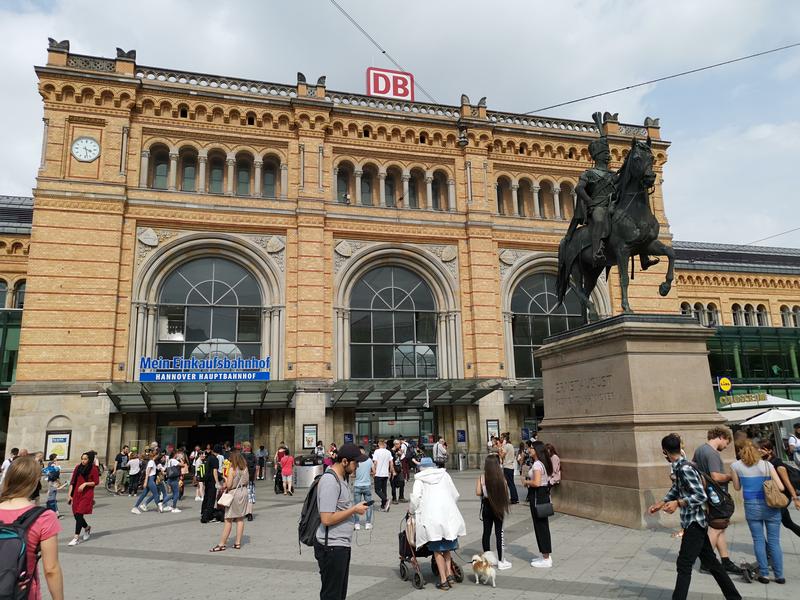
x: 166, y: 556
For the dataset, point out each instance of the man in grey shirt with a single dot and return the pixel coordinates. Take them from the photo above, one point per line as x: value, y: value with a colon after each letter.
x: 335, y: 533
x: 508, y: 459
x: 708, y: 459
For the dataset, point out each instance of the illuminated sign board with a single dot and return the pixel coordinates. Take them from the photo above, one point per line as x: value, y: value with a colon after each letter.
x: 179, y: 369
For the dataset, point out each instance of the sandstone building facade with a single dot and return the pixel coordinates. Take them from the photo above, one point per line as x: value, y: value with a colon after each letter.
x: 395, y: 261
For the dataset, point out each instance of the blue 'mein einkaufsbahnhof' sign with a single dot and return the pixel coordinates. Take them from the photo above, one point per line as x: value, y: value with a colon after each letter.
x: 179, y: 369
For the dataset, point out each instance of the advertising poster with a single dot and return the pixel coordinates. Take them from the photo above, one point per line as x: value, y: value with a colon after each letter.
x: 58, y: 442
x: 309, y: 437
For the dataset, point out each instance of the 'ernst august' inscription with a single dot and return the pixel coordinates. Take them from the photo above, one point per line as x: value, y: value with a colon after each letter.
x: 585, y: 389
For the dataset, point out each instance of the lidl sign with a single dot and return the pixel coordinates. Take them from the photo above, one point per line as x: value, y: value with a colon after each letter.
x: 179, y: 369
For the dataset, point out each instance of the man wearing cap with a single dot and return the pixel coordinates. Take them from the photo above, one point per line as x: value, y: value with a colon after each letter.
x: 335, y: 533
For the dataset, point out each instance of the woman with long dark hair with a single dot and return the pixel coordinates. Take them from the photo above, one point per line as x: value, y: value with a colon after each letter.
x: 769, y: 455
x: 493, y: 491
x: 81, y: 495
x: 555, y: 476
x: 538, y: 494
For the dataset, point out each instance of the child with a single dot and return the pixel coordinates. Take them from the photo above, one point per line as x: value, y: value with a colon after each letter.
x: 53, y: 473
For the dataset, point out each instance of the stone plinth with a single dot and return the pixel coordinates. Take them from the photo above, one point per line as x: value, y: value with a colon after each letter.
x: 612, y: 390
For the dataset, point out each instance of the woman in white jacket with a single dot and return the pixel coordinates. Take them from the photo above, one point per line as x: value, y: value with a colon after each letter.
x: 438, y: 521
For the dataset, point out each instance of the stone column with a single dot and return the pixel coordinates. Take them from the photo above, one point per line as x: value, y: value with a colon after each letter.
x: 557, y: 201
x: 508, y: 345
x: 173, y: 172
x: 42, y: 157
x: 537, y: 213
x: 406, y: 200
x: 201, y: 173
x: 429, y: 192
x: 302, y: 152
x: 320, y: 158
x: 452, y: 341
x: 451, y: 195
x: 152, y: 335
x: 258, y: 164
x: 345, y: 353
x: 139, y: 339
x: 284, y: 180
x: 515, y: 198
x: 231, y: 176
x: 468, y: 167
x: 266, y: 330
x: 123, y: 157
x: 357, y: 175
x: 382, y: 187
x: 335, y: 185
x: 441, y: 338
x: 338, y: 351
x: 144, y: 166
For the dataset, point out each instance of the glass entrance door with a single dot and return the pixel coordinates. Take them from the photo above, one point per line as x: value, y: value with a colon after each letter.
x: 411, y: 424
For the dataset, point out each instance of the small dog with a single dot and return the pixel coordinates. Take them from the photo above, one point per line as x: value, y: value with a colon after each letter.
x: 483, y: 565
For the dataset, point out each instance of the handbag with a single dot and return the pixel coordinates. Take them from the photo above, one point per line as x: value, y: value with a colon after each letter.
x: 542, y: 510
x: 226, y: 499
x: 774, y: 497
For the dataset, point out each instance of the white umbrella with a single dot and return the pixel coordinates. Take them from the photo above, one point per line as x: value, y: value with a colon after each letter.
x: 773, y: 416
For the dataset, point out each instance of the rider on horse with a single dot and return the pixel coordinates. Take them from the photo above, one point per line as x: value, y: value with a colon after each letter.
x: 596, y: 192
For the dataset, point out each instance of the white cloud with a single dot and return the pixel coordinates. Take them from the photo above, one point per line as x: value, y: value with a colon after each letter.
x: 520, y: 54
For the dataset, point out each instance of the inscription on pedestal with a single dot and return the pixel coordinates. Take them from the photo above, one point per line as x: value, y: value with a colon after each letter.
x: 588, y: 389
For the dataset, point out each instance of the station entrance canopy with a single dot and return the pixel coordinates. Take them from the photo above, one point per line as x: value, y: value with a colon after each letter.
x: 355, y: 393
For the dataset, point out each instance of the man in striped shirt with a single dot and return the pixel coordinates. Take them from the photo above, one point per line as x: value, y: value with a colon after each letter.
x: 688, y: 494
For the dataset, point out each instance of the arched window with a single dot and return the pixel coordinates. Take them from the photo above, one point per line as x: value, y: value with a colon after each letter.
x: 699, y: 313
x: 749, y: 316
x: 762, y: 316
x: 686, y: 309
x: 390, y: 189
x: 738, y: 315
x: 160, y: 170
x: 270, y: 176
x: 787, y: 320
x: 209, y: 307
x: 413, y: 190
x: 216, y: 175
x: 19, y: 295
x: 712, y: 315
x: 392, y: 326
x: 242, y: 178
x: 3, y: 293
x: 438, y: 187
x: 343, y: 185
x: 189, y: 173
x: 536, y: 315
x: 366, y: 188
x: 796, y: 311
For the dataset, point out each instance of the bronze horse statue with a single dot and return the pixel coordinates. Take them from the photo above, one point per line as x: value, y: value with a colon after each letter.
x: 634, y: 230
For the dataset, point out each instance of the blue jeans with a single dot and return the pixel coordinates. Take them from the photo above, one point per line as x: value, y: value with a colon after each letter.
x: 362, y: 494
x: 759, y: 516
x: 174, y: 491
x: 149, y: 487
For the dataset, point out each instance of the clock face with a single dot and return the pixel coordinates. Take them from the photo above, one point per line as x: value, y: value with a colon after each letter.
x: 85, y: 149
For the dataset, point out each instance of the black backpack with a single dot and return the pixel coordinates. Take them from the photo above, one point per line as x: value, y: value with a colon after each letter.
x: 15, y: 581
x: 794, y: 475
x: 309, y: 515
x: 720, y: 503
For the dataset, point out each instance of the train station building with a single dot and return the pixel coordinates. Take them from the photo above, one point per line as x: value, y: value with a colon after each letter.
x: 209, y: 258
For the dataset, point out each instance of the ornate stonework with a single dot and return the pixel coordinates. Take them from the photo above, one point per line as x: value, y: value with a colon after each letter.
x: 275, y: 245
x: 445, y: 255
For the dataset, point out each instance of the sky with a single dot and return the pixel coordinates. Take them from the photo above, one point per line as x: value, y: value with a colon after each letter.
x: 735, y: 131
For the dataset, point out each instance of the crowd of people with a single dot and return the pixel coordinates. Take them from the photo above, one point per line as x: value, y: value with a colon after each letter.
x: 224, y: 478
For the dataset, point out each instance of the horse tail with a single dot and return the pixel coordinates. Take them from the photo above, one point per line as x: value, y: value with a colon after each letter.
x: 633, y: 264
x: 562, y: 280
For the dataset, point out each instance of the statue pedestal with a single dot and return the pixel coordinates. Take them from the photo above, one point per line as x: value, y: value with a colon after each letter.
x: 612, y: 390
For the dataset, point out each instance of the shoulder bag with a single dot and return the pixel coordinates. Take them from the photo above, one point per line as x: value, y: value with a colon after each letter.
x: 542, y: 510
x: 226, y: 499
x: 773, y: 496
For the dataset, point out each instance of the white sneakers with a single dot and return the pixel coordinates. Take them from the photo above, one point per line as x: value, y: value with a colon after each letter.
x: 160, y: 507
x: 503, y: 565
x: 167, y: 509
x: 357, y: 526
x: 86, y: 534
x: 73, y: 542
x: 368, y: 526
x: 136, y: 511
x: 143, y: 507
x: 176, y: 510
x: 542, y: 563
x: 198, y: 498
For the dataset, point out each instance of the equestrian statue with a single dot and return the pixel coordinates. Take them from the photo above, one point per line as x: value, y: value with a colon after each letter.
x: 612, y: 223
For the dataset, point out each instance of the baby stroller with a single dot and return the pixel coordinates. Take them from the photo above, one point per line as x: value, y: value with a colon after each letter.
x: 409, y: 553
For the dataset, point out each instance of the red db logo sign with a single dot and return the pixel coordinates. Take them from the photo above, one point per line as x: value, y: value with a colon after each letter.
x: 390, y: 84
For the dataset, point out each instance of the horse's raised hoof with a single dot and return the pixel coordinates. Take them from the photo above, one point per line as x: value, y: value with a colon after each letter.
x: 650, y: 262
x: 664, y: 288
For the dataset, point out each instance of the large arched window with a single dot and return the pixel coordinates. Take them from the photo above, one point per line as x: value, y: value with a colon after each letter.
x: 393, y: 325
x: 160, y: 170
x: 216, y: 174
x: 19, y: 295
x: 536, y: 315
x: 738, y: 315
x: 209, y: 308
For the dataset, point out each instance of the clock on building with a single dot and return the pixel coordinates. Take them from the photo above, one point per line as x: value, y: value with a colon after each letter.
x: 85, y: 149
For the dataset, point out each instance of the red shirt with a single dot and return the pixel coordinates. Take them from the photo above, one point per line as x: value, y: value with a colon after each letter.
x: 43, y: 528
x: 287, y: 463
